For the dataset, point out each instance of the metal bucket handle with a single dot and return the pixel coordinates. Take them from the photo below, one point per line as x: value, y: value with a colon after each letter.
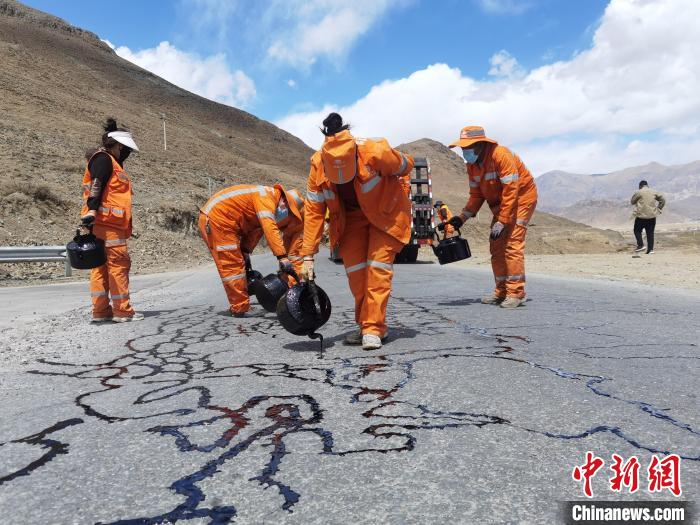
x: 444, y: 234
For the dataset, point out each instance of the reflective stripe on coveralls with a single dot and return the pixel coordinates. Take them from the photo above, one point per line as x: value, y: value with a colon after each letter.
x: 228, y: 195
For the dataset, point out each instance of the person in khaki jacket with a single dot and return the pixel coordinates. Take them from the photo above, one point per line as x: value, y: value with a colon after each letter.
x: 648, y: 204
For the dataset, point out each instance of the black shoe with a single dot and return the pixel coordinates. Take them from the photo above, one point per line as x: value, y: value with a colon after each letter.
x: 639, y: 249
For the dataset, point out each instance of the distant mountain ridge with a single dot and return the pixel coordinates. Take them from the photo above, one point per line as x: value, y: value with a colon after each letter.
x: 603, y: 199
x: 548, y: 234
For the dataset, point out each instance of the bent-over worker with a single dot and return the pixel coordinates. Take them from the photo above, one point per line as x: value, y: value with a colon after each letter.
x: 499, y: 177
x: 359, y: 182
x: 232, y: 223
x: 106, y: 209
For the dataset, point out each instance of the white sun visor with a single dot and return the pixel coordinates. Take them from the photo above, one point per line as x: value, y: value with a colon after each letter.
x: 124, y: 137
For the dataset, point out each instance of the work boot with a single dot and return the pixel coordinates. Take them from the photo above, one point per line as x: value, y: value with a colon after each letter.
x: 512, y: 302
x: 492, y: 299
x: 371, y: 342
x: 354, y: 338
x: 101, y: 319
x: 128, y: 319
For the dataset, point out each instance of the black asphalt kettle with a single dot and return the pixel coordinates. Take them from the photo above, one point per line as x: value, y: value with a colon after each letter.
x: 86, y: 251
x: 252, y: 276
x: 270, y: 289
x: 452, y: 249
x: 304, y: 309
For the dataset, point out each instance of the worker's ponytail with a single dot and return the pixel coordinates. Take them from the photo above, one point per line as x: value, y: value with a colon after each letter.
x: 109, y: 126
x: 333, y: 124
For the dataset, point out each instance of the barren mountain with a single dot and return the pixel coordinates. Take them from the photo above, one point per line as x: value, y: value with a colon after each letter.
x: 603, y: 199
x: 57, y: 85
x: 547, y: 234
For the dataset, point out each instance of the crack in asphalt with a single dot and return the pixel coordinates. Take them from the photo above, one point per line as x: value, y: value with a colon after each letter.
x: 173, y: 363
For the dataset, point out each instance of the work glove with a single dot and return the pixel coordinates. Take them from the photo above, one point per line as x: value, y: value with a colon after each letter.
x: 285, y: 264
x: 496, y: 230
x: 87, y: 220
x: 456, y: 222
x: 307, y: 269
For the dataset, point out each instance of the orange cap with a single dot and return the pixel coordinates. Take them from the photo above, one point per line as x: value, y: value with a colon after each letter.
x: 339, y: 155
x: 469, y: 135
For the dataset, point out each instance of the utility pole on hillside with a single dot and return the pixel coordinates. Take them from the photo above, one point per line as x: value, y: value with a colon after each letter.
x: 165, y: 138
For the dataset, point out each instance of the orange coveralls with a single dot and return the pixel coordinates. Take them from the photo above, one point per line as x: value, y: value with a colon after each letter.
x: 444, y: 214
x: 113, y: 225
x: 232, y: 223
x: 369, y: 236
x: 503, y: 181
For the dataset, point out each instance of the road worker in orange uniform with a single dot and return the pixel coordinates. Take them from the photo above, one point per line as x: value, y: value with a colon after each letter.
x: 107, y: 211
x: 232, y: 223
x: 499, y: 177
x: 359, y: 182
x: 444, y: 215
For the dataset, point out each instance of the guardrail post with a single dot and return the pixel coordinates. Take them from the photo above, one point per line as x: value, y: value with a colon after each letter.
x: 69, y: 268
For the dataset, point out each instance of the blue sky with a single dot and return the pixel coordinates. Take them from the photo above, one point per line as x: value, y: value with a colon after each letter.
x: 412, y: 68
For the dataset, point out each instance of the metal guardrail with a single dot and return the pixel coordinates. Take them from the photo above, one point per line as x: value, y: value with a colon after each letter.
x: 17, y: 254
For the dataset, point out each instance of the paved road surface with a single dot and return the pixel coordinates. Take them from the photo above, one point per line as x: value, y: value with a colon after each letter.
x: 471, y: 414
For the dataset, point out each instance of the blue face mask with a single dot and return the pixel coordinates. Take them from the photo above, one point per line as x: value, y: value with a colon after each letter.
x: 281, y: 213
x: 469, y: 156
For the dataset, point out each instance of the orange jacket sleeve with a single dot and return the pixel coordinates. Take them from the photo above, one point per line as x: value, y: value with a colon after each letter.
x: 508, y: 175
x: 476, y: 197
x: 314, y: 208
x: 265, y: 210
x: 386, y: 160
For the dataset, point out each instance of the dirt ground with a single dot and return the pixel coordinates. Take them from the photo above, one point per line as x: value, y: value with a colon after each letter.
x: 666, y: 268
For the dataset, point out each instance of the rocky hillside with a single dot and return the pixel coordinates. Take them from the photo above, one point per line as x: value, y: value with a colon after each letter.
x: 548, y: 234
x: 58, y: 84
x: 603, y: 199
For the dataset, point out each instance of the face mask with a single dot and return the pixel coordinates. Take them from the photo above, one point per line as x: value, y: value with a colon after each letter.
x: 281, y: 213
x: 124, y: 154
x: 469, y: 156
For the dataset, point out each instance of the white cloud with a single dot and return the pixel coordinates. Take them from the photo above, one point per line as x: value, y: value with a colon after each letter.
x: 306, y: 30
x: 292, y: 83
x: 209, y: 77
x: 503, y: 64
x: 637, y: 82
x: 511, y: 7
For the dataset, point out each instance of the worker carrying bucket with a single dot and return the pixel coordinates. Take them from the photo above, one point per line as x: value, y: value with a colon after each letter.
x: 232, y: 223
x: 359, y: 182
x: 499, y: 177
x: 106, y: 213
